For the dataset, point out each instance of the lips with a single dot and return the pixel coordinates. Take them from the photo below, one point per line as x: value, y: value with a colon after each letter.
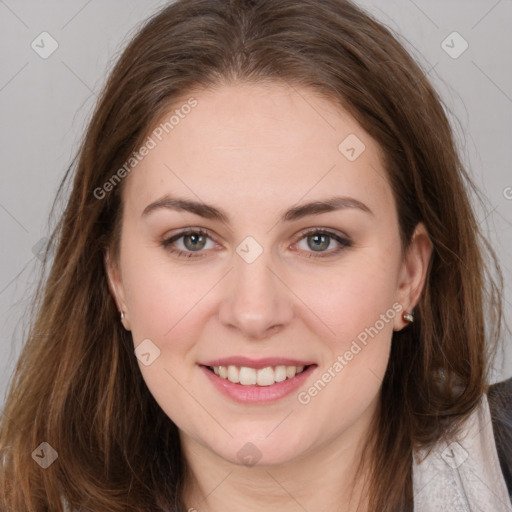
x: 267, y: 390
x: 262, y: 380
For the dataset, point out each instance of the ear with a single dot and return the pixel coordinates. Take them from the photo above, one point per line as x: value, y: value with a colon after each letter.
x: 116, y: 288
x: 413, y: 272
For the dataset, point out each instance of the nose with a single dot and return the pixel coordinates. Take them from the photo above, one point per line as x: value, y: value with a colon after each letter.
x: 257, y: 302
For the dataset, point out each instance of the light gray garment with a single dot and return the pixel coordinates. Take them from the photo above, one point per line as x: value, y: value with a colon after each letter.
x: 463, y: 475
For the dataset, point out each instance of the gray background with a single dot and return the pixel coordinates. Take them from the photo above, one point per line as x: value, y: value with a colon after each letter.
x: 45, y: 104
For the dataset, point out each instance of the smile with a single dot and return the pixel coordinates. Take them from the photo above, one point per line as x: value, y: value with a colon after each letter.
x: 248, y: 385
x: 247, y: 376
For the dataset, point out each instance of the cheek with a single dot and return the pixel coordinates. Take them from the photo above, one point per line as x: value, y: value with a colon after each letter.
x: 160, y: 297
x: 358, y: 307
x: 352, y: 297
x: 164, y: 307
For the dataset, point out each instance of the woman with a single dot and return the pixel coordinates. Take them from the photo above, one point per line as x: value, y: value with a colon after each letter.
x: 269, y: 288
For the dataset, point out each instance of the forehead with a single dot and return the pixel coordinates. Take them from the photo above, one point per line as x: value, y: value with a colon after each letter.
x: 257, y: 145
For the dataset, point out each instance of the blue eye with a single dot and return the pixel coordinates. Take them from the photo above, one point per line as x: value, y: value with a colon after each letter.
x: 194, y: 240
x: 321, y: 238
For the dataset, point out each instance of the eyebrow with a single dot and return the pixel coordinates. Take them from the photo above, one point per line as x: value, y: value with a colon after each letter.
x: 209, y: 211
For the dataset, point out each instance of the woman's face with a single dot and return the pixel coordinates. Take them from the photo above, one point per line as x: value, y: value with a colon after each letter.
x: 270, y: 282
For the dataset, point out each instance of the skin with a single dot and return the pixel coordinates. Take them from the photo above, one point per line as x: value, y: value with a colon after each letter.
x: 256, y: 150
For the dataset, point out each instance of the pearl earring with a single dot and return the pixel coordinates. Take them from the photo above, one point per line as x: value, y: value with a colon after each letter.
x: 408, y: 317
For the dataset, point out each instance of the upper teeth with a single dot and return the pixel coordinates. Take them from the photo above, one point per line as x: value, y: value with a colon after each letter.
x: 251, y: 376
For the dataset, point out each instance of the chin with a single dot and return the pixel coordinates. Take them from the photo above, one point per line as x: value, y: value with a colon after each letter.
x: 258, y: 451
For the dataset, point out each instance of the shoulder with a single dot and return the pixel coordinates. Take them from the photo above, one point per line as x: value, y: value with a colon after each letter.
x: 500, y: 405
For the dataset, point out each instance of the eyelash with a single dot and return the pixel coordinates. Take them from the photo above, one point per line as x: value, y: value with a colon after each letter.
x: 167, y: 244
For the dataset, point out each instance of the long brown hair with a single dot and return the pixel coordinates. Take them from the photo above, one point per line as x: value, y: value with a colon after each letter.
x: 77, y: 385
